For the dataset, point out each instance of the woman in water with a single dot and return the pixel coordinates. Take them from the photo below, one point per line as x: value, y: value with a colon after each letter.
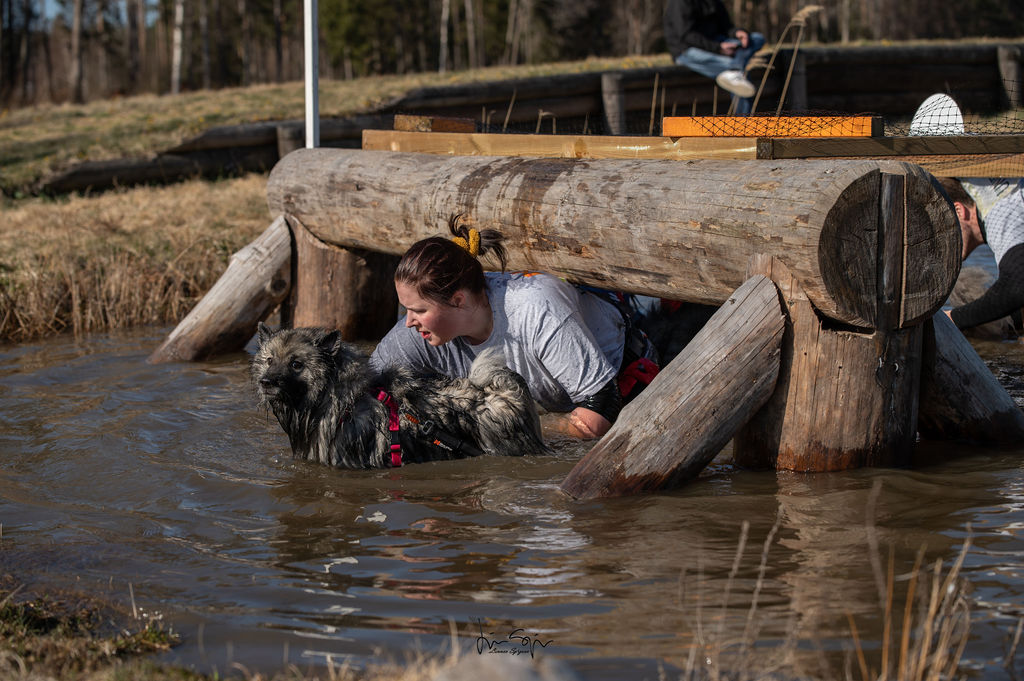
x: 567, y: 343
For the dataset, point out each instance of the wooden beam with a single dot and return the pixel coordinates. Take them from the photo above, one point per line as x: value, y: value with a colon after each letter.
x: 772, y: 126
x: 876, y: 147
x: 844, y: 399
x: 433, y: 124
x: 558, y: 146
x: 340, y: 288
x: 683, y: 231
x: 681, y: 421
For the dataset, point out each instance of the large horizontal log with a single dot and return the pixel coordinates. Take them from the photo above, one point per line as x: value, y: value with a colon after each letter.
x: 683, y: 231
x: 681, y: 421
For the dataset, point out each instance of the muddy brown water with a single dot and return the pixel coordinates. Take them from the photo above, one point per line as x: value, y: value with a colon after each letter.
x: 164, y: 487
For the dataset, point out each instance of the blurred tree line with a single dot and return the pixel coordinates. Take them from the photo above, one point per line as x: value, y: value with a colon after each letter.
x: 76, y: 50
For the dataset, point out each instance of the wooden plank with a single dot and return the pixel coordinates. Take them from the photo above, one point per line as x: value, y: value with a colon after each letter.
x: 771, y: 126
x: 433, y: 124
x: 559, y: 146
x: 668, y: 434
x: 971, y: 165
x: 877, y: 147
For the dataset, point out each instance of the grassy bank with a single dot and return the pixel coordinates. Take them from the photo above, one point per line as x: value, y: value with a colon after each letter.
x: 145, y: 255
x: 37, y: 141
x: 121, y: 259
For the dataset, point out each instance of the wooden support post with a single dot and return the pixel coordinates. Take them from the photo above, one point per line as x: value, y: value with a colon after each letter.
x: 669, y: 433
x: 256, y: 281
x: 613, y: 95
x: 846, y: 398
x: 798, y: 84
x: 290, y: 136
x: 960, y: 398
x: 1009, y: 57
x: 352, y: 290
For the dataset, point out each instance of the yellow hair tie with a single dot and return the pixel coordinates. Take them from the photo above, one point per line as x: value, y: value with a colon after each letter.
x: 472, y: 246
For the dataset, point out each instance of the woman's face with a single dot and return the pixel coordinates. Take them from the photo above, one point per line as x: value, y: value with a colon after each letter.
x: 437, y: 323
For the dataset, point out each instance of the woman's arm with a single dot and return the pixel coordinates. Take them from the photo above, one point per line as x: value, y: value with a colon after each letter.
x: 582, y: 423
x: 1004, y: 297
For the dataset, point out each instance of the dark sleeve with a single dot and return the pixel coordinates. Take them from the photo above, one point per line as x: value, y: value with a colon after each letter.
x: 1004, y: 297
x: 681, y: 29
x: 607, y: 402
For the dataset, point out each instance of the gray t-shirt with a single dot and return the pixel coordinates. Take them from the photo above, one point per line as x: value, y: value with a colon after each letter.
x: 566, y: 343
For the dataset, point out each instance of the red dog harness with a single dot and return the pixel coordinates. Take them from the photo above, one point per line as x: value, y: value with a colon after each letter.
x: 396, y: 444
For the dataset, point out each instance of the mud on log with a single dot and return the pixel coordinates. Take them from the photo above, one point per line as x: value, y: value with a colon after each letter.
x: 683, y: 231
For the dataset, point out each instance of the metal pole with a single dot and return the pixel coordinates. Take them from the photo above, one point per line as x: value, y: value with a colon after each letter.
x: 312, y: 84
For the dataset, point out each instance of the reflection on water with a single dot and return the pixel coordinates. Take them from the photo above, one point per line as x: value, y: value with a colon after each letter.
x: 166, y: 478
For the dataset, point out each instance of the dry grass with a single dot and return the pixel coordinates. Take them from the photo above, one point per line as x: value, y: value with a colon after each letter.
x: 924, y: 631
x: 34, y: 142
x: 145, y: 255
x: 125, y: 258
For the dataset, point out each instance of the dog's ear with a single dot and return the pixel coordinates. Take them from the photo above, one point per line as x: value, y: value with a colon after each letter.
x: 264, y: 333
x: 331, y: 342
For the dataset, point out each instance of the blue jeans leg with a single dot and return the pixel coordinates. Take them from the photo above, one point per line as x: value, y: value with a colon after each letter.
x: 703, y: 62
x: 711, y: 64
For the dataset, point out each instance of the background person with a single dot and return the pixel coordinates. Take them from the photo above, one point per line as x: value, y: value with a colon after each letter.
x: 701, y: 36
x: 1003, y: 230
x: 568, y: 344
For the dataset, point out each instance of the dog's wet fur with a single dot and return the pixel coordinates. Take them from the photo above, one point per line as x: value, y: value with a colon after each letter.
x: 325, y: 395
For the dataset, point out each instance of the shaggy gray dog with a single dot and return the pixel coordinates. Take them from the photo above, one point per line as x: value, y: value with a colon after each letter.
x: 338, y: 411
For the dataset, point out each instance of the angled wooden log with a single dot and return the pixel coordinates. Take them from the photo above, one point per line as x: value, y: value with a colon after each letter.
x: 683, y: 231
x: 256, y: 281
x: 960, y: 398
x: 669, y: 433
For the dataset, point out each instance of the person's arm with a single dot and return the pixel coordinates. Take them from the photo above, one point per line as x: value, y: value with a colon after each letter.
x: 1004, y: 297
x: 594, y: 415
x: 582, y: 423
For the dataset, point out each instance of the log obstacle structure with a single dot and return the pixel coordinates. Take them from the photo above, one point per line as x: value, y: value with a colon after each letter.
x: 827, y: 272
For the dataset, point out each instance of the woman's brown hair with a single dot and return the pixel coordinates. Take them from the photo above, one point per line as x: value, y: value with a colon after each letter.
x: 438, y: 267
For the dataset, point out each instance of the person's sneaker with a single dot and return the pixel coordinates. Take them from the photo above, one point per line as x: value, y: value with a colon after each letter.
x: 736, y: 83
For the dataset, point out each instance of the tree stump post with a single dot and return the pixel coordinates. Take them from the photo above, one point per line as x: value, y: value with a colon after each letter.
x: 352, y: 290
x: 613, y: 97
x: 846, y: 397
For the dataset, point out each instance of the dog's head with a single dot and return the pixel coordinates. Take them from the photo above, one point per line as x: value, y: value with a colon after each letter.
x: 292, y: 368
